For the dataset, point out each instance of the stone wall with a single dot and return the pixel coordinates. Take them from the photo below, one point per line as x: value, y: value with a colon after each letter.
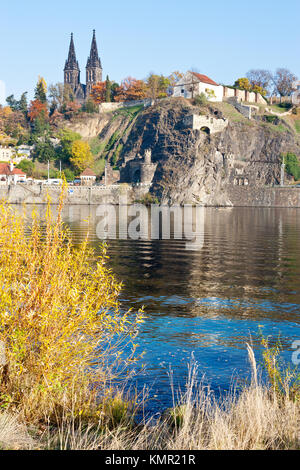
x: 197, y: 122
x: 37, y: 194
x: 108, y: 107
x: 246, y: 196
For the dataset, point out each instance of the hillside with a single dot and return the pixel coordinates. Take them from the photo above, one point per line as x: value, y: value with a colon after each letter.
x: 191, y: 164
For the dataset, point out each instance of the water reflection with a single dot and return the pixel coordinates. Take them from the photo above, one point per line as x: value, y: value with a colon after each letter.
x: 209, y: 301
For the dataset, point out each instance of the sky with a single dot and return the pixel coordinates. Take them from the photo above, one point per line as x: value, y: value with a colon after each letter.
x: 222, y: 39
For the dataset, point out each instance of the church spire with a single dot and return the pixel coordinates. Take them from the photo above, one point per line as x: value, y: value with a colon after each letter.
x: 71, y: 62
x: 94, y: 59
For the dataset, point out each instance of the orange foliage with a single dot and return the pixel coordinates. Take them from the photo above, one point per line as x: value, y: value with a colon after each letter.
x: 131, y: 90
x: 98, y: 92
x: 36, y: 108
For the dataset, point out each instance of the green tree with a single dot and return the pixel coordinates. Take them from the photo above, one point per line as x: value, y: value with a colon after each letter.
x: 44, y: 151
x: 27, y: 166
x: 108, y: 90
x: 41, y: 90
x: 23, y: 104
x: 67, y: 138
x: 292, y: 166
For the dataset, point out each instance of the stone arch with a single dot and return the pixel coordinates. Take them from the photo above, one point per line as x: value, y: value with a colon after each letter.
x: 136, y: 175
x: 205, y: 129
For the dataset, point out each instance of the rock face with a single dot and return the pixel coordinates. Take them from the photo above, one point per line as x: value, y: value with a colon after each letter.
x: 195, y: 166
x: 190, y: 162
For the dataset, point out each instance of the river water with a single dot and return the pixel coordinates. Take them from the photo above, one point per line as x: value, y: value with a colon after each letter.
x: 207, y: 302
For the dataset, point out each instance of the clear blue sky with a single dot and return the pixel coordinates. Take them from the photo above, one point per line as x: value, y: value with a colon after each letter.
x: 223, y: 39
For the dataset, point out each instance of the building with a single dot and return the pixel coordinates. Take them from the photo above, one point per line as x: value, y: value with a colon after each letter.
x: 88, y: 177
x: 193, y: 84
x: 93, y: 71
x: 296, y: 94
x: 6, y: 153
x: 11, y: 175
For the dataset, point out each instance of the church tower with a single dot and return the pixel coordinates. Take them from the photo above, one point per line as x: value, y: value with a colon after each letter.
x: 71, y: 70
x: 93, y: 67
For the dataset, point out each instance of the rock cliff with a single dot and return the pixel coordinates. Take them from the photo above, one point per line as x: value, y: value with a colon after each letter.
x: 199, y: 164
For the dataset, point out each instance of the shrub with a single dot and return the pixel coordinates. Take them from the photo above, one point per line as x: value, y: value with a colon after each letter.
x: 292, y: 166
x: 200, y: 100
x: 60, y: 321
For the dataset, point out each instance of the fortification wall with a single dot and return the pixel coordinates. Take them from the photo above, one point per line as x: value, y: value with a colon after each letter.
x: 247, y: 196
x: 35, y: 194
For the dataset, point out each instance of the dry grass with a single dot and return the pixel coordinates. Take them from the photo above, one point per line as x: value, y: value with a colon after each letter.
x: 257, y: 418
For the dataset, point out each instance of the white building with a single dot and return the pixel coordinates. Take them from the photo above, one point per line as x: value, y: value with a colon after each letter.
x: 6, y: 153
x: 87, y: 177
x: 193, y: 84
x: 296, y: 94
x: 11, y: 175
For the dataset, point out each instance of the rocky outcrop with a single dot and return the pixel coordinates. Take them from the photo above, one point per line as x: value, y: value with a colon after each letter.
x: 194, y: 164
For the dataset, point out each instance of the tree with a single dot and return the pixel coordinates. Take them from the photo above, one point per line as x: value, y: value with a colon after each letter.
x: 41, y: 90
x: 82, y: 156
x: 243, y: 83
x: 175, y: 77
x: 157, y: 86
x: 260, y: 78
x: 44, y: 150
x: 37, y: 109
x: 67, y: 138
x: 27, y: 166
x: 23, y: 105
x: 283, y: 82
x: 131, y: 89
x: 98, y: 93
x: 60, y: 94
x: 12, y: 103
x: 107, y: 90
x: 259, y: 89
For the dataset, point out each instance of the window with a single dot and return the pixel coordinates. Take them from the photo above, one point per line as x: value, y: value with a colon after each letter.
x: 182, y: 91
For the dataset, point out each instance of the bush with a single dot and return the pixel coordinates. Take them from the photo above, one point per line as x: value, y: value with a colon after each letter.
x: 60, y: 321
x: 292, y: 166
x: 201, y: 100
x: 27, y: 166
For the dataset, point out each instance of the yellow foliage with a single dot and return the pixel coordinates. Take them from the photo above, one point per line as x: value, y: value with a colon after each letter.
x: 81, y: 155
x: 60, y: 319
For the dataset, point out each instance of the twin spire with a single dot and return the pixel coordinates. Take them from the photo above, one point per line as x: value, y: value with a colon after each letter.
x: 93, y: 59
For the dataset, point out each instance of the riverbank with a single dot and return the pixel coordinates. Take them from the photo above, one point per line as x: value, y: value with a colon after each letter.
x: 236, y: 196
x: 258, y: 418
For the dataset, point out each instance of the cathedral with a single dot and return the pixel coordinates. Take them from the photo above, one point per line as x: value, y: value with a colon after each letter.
x: 93, y: 71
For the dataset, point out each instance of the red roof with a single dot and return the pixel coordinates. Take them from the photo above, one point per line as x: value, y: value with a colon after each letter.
x: 204, y: 79
x: 87, y: 172
x: 5, y: 170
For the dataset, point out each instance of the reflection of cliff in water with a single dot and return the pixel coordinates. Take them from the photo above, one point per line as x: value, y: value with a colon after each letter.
x: 248, y: 268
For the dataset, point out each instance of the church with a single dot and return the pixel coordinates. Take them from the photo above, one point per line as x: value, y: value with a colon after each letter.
x: 93, y: 71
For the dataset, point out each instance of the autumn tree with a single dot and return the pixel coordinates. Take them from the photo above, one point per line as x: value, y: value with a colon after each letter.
x: 157, y: 86
x: 175, y: 77
x: 98, y: 93
x: 60, y: 94
x: 283, y: 82
x: 37, y: 109
x: 131, y: 89
x: 82, y: 156
x: 243, y: 83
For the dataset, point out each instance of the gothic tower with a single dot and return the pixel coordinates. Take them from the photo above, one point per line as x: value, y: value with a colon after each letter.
x: 93, y: 67
x: 71, y: 70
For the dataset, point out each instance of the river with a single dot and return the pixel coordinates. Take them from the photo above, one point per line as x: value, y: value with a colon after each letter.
x: 208, y: 302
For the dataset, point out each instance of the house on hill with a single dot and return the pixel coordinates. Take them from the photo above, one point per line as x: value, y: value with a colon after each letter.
x: 193, y: 84
x: 11, y: 175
